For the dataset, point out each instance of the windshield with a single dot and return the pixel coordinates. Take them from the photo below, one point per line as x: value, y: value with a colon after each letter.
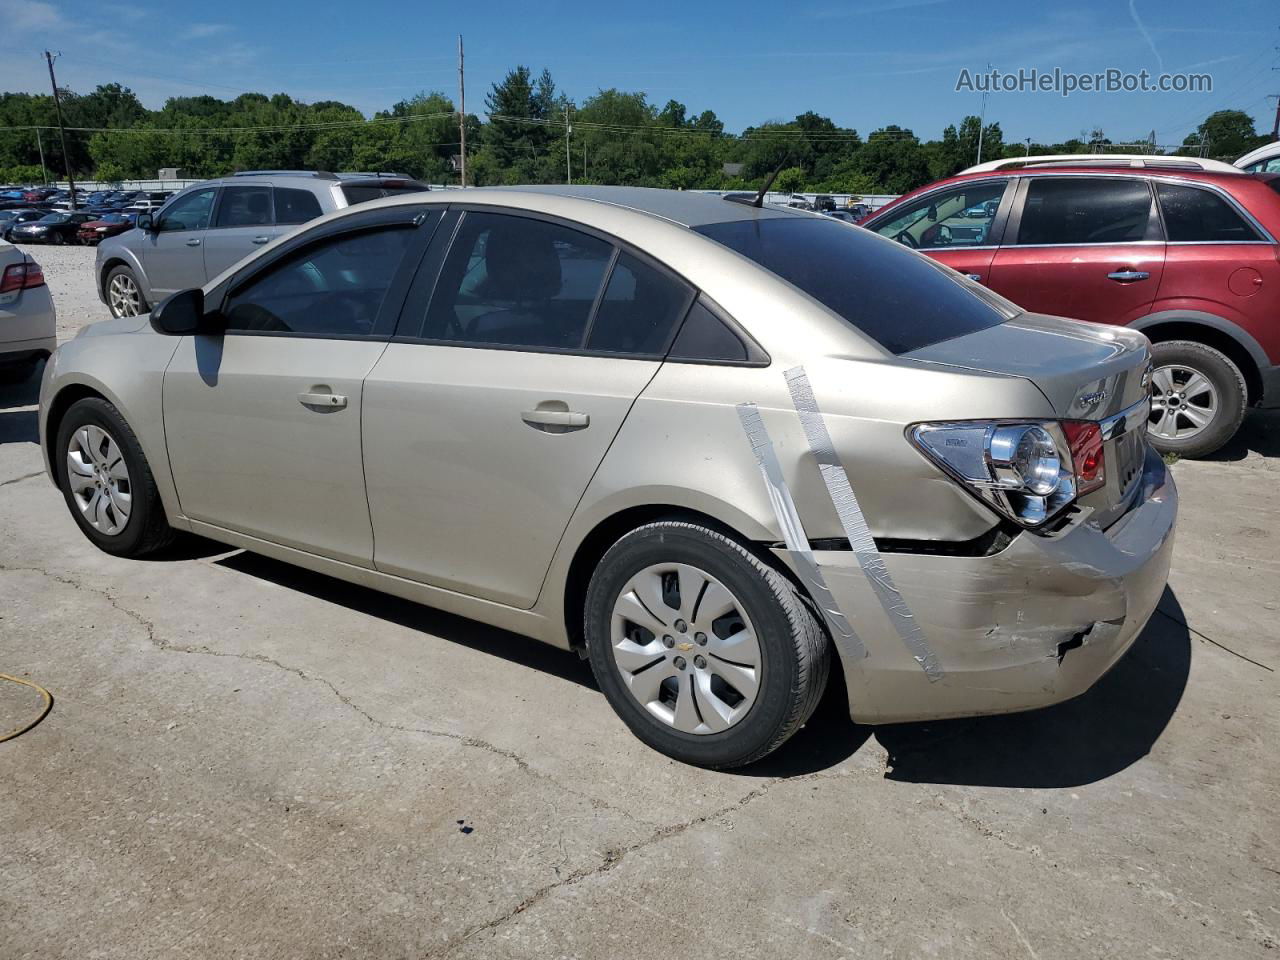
x: 56, y: 218
x: 901, y: 300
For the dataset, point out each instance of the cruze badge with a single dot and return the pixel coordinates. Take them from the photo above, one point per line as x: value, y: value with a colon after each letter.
x: 1092, y: 399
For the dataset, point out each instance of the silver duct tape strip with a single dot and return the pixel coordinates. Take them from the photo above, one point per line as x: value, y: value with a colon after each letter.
x: 793, y: 535
x: 855, y: 526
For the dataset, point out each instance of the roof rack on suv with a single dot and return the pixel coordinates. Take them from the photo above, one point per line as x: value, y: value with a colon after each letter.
x: 354, y: 174
x: 323, y: 174
x: 1139, y: 160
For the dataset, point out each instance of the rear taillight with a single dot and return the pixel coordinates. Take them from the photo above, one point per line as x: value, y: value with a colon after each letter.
x: 21, y: 276
x: 1085, y: 439
x: 1027, y: 471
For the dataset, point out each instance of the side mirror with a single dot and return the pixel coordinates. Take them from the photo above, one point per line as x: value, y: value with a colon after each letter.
x: 144, y: 222
x: 182, y: 314
x: 933, y: 212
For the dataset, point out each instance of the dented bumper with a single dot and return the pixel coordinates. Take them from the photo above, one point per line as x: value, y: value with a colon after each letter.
x: 1033, y: 625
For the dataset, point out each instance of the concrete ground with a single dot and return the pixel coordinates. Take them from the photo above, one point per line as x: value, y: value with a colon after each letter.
x: 248, y: 760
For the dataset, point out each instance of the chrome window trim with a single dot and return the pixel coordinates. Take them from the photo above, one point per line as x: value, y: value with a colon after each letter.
x: 1090, y: 246
x: 985, y: 246
x: 1121, y: 423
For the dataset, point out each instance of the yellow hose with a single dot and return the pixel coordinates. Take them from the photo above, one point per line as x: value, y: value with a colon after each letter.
x: 48, y: 705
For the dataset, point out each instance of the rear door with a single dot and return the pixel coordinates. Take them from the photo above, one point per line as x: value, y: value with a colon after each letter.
x: 243, y: 221
x: 172, y: 252
x: 494, y: 405
x: 1086, y: 247
x: 960, y: 225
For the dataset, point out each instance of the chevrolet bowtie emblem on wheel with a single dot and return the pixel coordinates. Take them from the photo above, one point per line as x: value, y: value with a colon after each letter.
x: 686, y: 646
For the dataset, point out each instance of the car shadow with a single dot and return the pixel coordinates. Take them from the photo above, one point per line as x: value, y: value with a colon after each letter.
x: 18, y: 425
x: 1084, y: 740
x: 1260, y: 433
x: 415, y: 616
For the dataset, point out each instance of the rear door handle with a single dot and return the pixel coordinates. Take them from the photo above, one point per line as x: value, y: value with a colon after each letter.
x: 261, y: 239
x: 325, y: 401
x: 556, y: 421
x: 193, y: 242
x: 1128, y: 276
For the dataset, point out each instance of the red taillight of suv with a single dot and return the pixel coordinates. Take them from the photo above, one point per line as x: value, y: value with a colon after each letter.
x: 21, y: 276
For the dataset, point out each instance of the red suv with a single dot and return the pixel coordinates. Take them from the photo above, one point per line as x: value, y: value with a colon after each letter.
x: 1183, y: 250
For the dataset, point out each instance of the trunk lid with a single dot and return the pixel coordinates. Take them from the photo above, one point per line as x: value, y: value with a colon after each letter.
x: 1086, y: 371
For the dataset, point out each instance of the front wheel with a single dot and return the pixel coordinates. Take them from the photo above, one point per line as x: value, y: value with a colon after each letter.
x: 1198, y: 398
x: 107, y: 482
x: 706, y: 652
x: 124, y: 295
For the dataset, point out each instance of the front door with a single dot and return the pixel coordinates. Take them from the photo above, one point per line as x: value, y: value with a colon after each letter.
x: 263, y: 422
x: 958, y: 225
x: 172, y: 251
x: 1088, y: 248
x: 484, y: 426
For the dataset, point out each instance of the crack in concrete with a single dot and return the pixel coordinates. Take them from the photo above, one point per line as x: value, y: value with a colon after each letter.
x: 463, y: 739
x: 25, y: 476
x: 614, y: 856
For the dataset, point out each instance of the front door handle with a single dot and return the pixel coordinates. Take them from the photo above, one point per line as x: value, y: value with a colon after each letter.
x: 193, y: 242
x: 261, y: 239
x: 325, y: 401
x: 1128, y: 276
x: 975, y: 277
x: 556, y: 421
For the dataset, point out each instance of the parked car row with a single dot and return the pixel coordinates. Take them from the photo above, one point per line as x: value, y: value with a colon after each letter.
x: 1184, y: 250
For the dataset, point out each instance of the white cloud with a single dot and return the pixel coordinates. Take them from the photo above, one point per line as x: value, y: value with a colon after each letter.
x: 199, y: 31
x: 29, y: 16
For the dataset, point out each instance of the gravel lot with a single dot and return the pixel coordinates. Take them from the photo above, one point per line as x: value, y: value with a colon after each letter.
x: 248, y: 760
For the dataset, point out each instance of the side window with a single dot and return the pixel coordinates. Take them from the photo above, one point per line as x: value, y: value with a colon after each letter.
x: 296, y: 206
x: 1192, y: 215
x: 961, y: 217
x: 333, y: 288
x: 514, y: 281
x: 640, y: 309
x: 1079, y: 210
x: 708, y: 339
x: 188, y: 212
x: 244, y: 207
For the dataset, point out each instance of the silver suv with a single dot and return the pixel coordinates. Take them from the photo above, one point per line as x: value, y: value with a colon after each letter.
x: 206, y: 228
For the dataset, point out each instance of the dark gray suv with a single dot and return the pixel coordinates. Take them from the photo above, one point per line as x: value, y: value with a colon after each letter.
x: 208, y: 227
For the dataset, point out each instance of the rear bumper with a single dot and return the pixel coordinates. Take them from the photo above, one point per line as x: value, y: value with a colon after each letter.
x: 1031, y: 626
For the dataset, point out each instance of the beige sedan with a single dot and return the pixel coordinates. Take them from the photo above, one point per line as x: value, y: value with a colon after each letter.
x: 713, y: 447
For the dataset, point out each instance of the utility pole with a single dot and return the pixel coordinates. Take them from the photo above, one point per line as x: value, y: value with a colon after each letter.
x: 62, y: 131
x: 462, y: 114
x: 1028, y: 146
x: 982, y: 116
x: 44, y: 174
x: 1275, y: 128
x: 568, y: 166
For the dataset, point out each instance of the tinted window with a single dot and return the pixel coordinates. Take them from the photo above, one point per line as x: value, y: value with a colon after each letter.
x: 244, y: 207
x: 333, y: 288
x: 1265, y: 166
x: 517, y: 282
x: 359, y: 193
x: 188, y: 212
x: 640, y: 309
x: 707, y: 338
x: 901, y: 300
x: 1085, y: 210
x: 296, y: 206
x: 950, y: 218
x: 1198, y: 216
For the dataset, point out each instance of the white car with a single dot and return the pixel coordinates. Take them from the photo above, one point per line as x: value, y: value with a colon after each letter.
x: 1265, y: 159
x: 26, y: 315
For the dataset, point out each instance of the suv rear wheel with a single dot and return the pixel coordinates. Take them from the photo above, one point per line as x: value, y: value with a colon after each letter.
x: 1198, y: 398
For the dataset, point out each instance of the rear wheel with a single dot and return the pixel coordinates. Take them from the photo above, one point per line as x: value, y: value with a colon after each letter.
x: 1198, y: 398
x: 705, y: 651
x: 107, y: 483
x: 124, y: 294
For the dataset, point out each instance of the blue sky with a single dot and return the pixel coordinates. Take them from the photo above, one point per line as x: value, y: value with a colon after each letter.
x: 864, y: 63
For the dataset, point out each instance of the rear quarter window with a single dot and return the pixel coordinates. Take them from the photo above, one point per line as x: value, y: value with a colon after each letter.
x: 363, y: 192
x: 901, y: 300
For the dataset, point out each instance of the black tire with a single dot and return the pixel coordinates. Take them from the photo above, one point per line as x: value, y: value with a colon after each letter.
x: 1228, y: 382
x: 143, y: 306
x: 795, y: 651
x: 147, y: 529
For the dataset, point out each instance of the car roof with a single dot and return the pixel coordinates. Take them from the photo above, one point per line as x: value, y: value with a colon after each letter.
x: 685, y: 207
